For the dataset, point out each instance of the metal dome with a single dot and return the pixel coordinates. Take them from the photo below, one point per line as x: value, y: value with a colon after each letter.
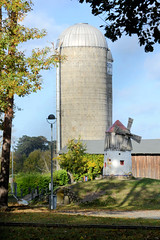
x: 82, y: 34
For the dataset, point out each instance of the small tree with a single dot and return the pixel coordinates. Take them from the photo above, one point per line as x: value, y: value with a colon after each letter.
x: 93, y: 165
x: 37, y: 161
x: 72, y: 161
x: 80, y: 164
x: 19, y: 74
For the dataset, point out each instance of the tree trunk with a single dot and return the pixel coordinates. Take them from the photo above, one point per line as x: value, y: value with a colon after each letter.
x: 4, y: 178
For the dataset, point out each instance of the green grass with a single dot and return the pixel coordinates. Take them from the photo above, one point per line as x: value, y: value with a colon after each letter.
x: 110, y: 194
x: 55, y: 217
x: 115, y: 194
x: 37, y: 233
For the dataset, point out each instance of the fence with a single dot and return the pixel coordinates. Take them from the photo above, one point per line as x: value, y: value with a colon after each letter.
x: 147, y: 166
x: 34, y: 193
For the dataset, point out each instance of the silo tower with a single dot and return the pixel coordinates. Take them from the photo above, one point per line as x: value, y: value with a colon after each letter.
x: 84, y: 85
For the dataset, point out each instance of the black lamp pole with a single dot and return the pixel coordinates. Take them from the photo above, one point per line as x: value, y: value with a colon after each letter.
x: 51, y: 120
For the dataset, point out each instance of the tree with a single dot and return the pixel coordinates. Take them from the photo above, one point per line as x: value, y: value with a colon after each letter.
x: 93, y: 165
x: 79, y: 163
x: 37, y: 161
x: 140, y: 17
x: 19, y: 74
x: 25, y: 146
x: 72, y: 161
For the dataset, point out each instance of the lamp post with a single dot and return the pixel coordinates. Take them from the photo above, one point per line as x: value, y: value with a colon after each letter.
x: 51, y: 120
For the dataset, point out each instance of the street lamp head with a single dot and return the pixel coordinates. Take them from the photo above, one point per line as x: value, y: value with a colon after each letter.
x: 51, y: 117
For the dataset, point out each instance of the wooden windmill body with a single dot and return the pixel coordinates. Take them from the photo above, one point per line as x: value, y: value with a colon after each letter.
x: 118, y: 146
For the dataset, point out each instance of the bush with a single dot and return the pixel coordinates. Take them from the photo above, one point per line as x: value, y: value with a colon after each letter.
x: 32, y: 180
x: 60, y: 178
x: 79, y: 163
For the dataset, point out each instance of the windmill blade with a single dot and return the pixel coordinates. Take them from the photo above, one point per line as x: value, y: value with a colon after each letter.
x: 130, y: 121
x: 126, y: 144
x: 121, y: 131
x: 136, y: 138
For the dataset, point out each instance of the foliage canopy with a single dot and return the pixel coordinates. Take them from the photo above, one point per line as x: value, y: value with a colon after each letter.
x: 80, y: 164
x: 140, y: 17
x: 32, y: 154
x: 32, y: 180
x: 19, y: 74
x: 27, y: 144
x: 37, y: 161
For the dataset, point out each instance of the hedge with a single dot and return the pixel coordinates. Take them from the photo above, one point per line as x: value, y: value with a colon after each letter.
x: 32, y: 180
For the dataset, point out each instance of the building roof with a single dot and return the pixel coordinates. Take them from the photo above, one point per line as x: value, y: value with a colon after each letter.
x: 82, y: 34
x: 93, y: 147
x: 147, y: 146
x: 117, y: 123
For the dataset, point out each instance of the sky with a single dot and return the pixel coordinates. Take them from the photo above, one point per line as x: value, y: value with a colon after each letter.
x: 136, y: 74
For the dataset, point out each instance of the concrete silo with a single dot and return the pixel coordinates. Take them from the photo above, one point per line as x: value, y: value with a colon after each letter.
x: 84, y: 85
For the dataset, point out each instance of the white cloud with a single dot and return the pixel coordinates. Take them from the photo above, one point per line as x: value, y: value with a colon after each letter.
x: 41, y: 21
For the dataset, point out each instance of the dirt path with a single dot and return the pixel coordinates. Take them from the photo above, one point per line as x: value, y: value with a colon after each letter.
x: 148, y: 214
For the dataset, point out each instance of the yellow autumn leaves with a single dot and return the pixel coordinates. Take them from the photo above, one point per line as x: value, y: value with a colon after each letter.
x: 19, y: 74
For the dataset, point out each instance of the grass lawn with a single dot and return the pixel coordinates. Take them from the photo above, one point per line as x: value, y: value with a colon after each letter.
x: 115, y: 194
x: 72, y: 233
x: 104, y: 194
x: 75, y: 234
x: 45, y: 233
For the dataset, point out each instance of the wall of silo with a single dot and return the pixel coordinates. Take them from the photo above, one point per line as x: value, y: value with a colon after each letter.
x: 109, y: 94
x: 86, y: 94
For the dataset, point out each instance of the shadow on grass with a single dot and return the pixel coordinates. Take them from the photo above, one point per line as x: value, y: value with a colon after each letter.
x: 100, y: 189
x: 120, y: 194
x: 139, y: 194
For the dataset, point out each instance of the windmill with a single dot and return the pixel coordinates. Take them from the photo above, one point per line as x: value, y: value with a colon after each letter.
x: 127, y: 135
x: 118, y: 146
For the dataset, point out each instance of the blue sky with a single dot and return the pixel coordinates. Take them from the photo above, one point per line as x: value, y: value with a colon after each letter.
x: 136, y: 74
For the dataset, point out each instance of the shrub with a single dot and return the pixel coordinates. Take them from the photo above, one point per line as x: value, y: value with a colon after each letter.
x: 32, y: 180
x: 60, y: 178
x: 79, y: 163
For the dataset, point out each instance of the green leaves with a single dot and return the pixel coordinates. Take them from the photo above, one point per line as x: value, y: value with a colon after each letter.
x: 140, y: 17
x: 19, y: 74
x: 32, y: 180
x: 80, y: 164
x: 72, y: 161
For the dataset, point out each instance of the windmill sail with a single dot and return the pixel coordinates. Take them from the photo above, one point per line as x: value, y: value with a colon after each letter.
x: 136, y: 138
x: 118, y: 137
x: 126, y: 144
x: 130, y: 121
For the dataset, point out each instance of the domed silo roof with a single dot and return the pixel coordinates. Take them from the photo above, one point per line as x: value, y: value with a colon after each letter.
x: 82, y: 35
